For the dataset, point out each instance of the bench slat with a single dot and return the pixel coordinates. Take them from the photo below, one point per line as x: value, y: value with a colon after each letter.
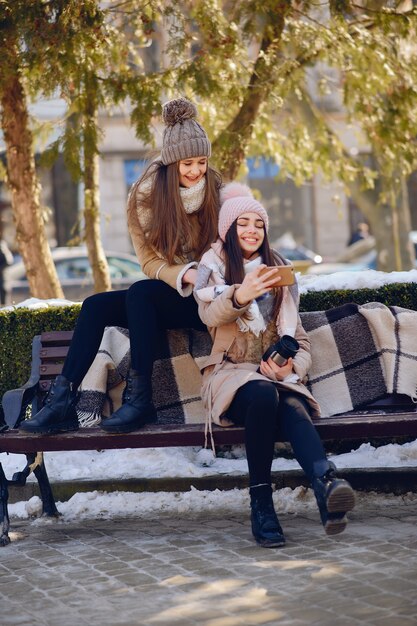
x: 48, y: 370
x: 55, y: 352
x: 57, y: 338
x: 165, y: 435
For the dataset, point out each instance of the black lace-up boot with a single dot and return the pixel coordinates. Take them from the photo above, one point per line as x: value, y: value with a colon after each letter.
x: 137, y: 408
x: 265, y: 525
x: 334, y: 497
x: 58, y: 413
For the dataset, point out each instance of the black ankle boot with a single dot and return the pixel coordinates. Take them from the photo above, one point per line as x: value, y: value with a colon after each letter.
x: 137, y: 408
x: 58, y: 413
x: 334, y: 497
x: 265, y: 525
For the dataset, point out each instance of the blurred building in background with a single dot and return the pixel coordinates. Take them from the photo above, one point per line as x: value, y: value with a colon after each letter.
x: 317, y: 214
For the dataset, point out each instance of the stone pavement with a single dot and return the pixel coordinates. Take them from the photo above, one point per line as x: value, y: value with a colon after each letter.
x: 204, y: 569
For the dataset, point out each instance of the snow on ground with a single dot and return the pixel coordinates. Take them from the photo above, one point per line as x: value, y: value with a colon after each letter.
x: 184, y: 462
x: 193, y: 503
x: 188, y: 462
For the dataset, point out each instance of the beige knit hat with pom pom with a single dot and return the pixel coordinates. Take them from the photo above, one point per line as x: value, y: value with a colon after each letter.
x: 183, y: 137
x: 236, y: 199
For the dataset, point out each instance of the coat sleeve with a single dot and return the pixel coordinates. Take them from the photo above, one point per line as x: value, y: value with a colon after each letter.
x: 302, y: 360
x: 153, y: 265
x: 221, y: 310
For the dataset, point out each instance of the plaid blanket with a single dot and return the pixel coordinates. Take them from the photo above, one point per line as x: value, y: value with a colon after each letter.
x: 359, y: 353
x: 176, y: 378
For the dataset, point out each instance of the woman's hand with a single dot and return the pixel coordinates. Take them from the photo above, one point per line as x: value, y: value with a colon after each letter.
x: 254, y: 285
x: 273, y: 371
x: 190, y: 277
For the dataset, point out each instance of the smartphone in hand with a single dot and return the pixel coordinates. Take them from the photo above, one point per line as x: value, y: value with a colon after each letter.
x: 286, y: 272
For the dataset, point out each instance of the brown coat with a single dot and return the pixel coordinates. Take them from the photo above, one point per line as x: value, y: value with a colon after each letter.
x: 222, y: 377
x: 154, y: 265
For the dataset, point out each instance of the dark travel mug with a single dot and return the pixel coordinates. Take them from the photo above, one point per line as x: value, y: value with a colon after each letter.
x: 281, y: 351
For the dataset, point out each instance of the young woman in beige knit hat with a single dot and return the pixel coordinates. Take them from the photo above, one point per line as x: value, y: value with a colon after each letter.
x: 247, y: 311
x: 172, y: 218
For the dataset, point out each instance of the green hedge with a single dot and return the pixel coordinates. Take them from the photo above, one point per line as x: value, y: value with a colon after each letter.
x: 397, y: 294
x: 18, y: 327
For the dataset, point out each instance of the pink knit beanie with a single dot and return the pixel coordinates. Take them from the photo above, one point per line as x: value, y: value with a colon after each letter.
x: 236, y: 199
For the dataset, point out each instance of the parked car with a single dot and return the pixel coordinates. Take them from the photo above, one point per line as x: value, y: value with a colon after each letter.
x: 361, y: 255
x: 75, y: 274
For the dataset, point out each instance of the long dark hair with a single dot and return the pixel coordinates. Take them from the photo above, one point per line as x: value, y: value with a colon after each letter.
x: 234, y: 266
x: 170, y: 227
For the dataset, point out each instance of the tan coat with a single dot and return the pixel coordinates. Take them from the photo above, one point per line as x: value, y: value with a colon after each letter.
x: 154, y: 265
x: 222, y: 377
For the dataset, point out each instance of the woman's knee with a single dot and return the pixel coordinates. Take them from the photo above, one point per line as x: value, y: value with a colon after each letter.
x: 294, y: 409
x: 145, y: 290
x: 105, y: 309
x: 264, y: 393
x: 95, y: 303
x: 261, y: 396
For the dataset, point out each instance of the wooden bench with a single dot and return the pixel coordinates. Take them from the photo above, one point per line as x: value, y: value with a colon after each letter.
x: 390, y: 418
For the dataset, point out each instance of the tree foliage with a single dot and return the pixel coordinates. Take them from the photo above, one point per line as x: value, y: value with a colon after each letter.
x: 268, y: 71
x: 272, y: 77
x: 88, y: 53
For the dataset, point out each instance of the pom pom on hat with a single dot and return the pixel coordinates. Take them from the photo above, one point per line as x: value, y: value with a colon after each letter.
x: 234, y: 190
x: 178, y: 110
x: 236, y: 199
x: 183, y: 137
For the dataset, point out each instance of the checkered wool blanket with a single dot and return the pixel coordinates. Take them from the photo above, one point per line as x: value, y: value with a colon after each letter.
x: 359, y: 353
x: 176, y: 378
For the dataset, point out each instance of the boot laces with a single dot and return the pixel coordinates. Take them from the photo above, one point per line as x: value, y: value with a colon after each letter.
x: 50, y: 393
x: 128, y: 389
x: 328, y: 477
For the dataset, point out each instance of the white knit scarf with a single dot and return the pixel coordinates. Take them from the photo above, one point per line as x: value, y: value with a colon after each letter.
x: 192, y: 197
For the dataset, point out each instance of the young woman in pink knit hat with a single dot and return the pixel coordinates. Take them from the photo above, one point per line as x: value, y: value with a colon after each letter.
x: 247, y: 312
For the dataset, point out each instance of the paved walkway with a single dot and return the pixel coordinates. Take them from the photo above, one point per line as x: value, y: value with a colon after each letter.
x: 206, y: 570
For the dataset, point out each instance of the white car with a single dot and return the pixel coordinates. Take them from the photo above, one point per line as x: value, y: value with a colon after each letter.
x: 75, y: 274
x: 361, y: 255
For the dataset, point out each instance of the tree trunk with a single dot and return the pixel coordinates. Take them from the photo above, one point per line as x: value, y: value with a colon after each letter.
x: 98, y: 261
x: 25, y: 190
x: 230, y: 147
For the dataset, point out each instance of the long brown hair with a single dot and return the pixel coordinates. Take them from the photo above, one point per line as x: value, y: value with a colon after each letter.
x: 234, y: 266
x: 170, y: 226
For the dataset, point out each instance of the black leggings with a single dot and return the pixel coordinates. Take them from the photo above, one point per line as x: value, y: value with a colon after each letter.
x: 147, y: 307
x: 264, y: 410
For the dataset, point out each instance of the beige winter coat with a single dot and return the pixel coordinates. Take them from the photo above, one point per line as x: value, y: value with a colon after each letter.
x: 154, y: 265
x: 236, y: 355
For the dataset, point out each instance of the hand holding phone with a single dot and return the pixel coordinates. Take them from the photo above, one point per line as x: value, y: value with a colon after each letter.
x: 284, y: 273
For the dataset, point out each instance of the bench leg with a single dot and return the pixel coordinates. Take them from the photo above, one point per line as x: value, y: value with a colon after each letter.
x: 48, y: 501
x: 35, y: 463
x: 4, y: 514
